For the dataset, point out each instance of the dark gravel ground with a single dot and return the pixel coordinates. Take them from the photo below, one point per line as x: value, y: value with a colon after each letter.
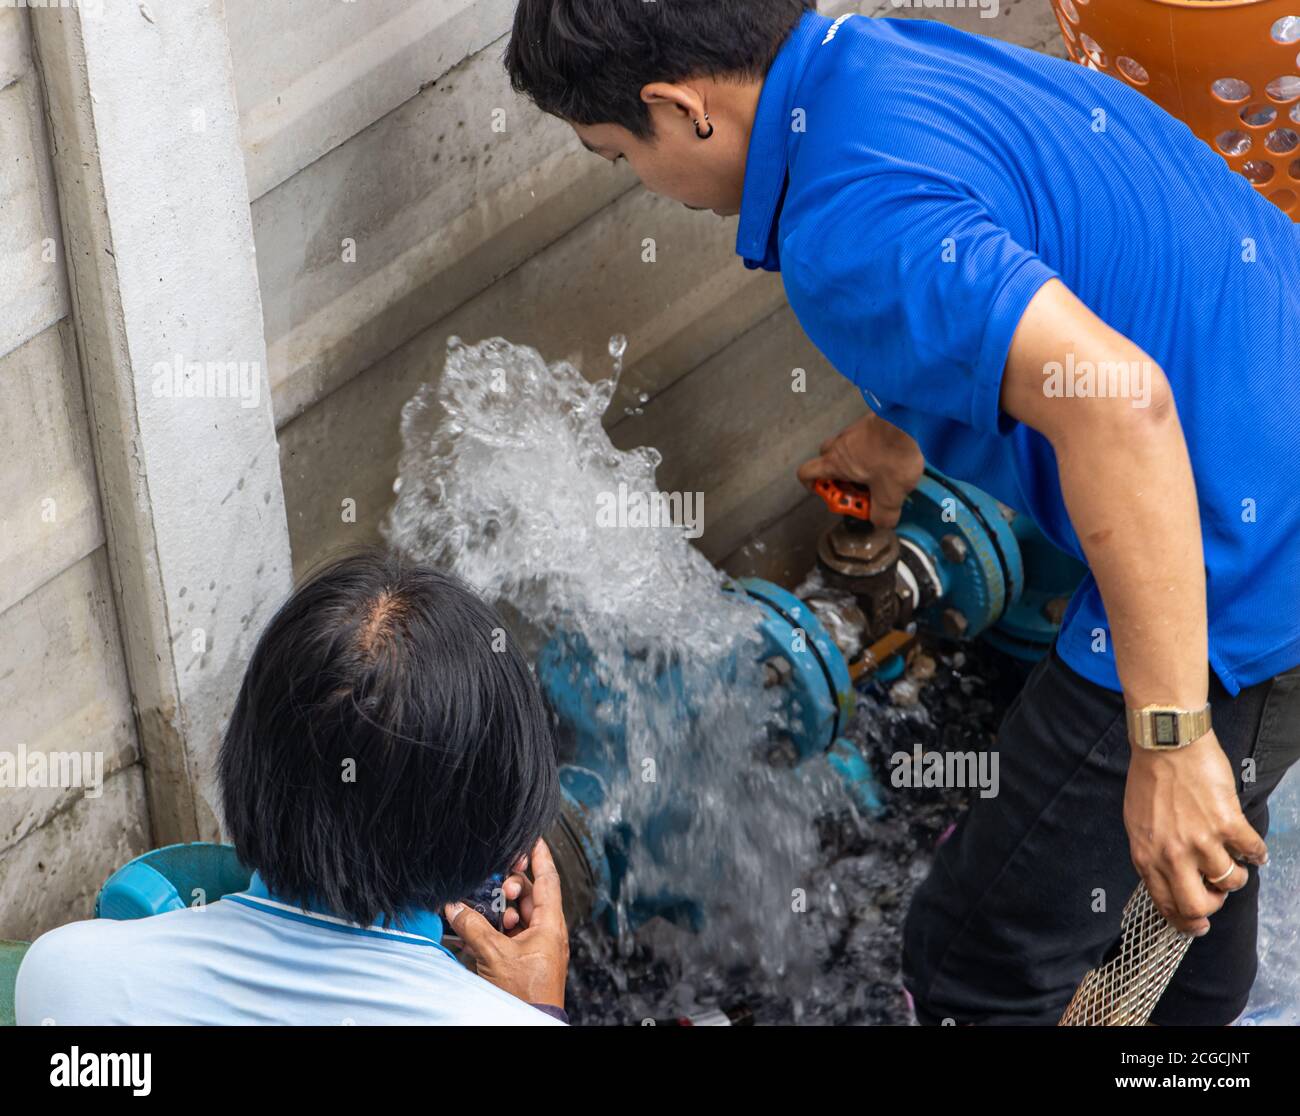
x: 869, y: 872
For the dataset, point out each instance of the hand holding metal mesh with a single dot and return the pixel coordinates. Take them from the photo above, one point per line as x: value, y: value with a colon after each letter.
x: 1125, y: 990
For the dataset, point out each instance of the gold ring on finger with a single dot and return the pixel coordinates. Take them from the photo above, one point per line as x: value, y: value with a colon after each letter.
x: 1219, y: 879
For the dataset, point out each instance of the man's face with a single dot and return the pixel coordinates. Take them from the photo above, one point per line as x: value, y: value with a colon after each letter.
x: 674, y: 162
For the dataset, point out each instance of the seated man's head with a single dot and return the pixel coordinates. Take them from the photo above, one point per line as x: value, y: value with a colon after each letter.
x: 637, y: 80
x: 389, y: 750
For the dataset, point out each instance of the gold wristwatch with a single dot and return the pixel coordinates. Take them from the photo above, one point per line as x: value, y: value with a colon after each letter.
x: 1160, y: 728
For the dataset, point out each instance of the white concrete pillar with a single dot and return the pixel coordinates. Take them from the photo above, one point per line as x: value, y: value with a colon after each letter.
x: 155, y: 215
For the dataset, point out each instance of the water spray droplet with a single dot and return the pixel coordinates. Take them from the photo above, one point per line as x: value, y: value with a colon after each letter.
x: 617, y: 350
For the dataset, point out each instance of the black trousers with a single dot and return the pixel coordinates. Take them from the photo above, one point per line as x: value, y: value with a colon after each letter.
x: 1007, y: 923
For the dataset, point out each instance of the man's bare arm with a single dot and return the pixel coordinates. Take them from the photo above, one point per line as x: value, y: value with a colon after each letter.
x: 1127, y: 481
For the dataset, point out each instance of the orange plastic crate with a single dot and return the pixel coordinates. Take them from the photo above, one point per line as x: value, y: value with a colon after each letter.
x: 1230, y: 69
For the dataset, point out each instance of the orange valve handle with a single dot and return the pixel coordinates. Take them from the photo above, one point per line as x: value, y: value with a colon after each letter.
x: 844, y: 498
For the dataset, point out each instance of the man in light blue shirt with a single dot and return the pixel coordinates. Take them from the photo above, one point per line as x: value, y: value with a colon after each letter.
x: 386, y: 758
x: 250, y: 959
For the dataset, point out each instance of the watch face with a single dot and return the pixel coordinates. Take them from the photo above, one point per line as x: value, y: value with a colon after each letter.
x: 1166, y: 728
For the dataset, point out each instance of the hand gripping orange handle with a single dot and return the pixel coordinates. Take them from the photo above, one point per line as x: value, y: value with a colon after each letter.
x: 845, y: 498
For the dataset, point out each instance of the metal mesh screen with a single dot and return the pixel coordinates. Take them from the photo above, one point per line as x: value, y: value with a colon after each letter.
x: 1124, y: 991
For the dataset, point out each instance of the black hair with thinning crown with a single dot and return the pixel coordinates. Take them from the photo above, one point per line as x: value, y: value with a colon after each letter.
x: 390, y: 749
x: 586, y: 61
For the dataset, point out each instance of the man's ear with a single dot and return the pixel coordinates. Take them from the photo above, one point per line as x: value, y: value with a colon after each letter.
x: 682, y: 97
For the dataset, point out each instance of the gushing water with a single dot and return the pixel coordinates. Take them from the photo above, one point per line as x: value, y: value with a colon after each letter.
x: 509, y: 479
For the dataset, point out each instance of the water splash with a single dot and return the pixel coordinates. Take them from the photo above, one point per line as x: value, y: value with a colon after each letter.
x: 505, y: 472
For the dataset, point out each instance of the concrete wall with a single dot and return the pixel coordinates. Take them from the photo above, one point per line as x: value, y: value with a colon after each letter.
x: 391, y: 127
x: 63, y: 683
x: 143, y: 542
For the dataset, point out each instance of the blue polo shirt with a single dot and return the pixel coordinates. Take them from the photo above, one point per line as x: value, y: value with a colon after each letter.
x: 253, y: 959
x: 916, y: 185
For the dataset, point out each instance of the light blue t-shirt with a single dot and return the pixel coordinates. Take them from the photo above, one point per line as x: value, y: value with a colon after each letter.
x: 250, y: 959
x: 916, y: 186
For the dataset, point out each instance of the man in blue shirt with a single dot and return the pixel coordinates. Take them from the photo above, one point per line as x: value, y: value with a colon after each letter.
x: 1048, y: 287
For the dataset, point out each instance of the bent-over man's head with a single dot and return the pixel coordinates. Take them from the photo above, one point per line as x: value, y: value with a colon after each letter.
x: 389, y: 750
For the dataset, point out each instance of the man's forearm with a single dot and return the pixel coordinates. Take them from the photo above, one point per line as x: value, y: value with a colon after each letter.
x: 1128, y: 486
x: 1127, y: 482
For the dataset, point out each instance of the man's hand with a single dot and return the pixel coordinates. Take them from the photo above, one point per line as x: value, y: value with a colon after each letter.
x: 876, y: 454
x: 1186, y: 828
x: 530, y: 960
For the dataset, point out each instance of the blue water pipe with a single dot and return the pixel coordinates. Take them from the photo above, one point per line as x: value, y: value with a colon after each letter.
x: 969, y: 564
x: 979, y: 576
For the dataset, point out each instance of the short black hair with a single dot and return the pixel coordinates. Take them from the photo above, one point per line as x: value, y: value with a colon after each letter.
x: 587, y: 61
x: 389, y: 749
